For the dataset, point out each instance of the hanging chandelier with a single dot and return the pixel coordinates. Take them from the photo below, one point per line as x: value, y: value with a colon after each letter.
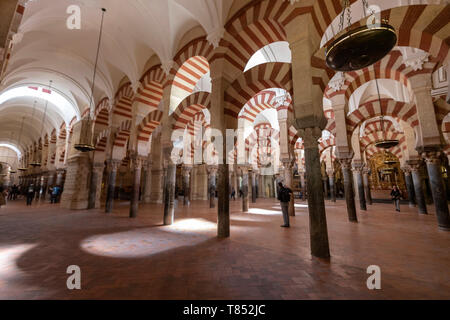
x: 360, y: 47
x: 20, y: 136
x: 33, y: 162
x: 384, y: 143
x: 37, y: 162
x: 85, y: 144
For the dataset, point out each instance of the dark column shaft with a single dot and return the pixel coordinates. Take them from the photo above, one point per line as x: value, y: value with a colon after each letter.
x: 367, y: 191
x: 316, y: 203
x: 332, y: 188
x: 245, y: 190
x: 134, y: 205
x: 223, y: 210
x: 418, y: 191
x: 359, y: 181
x: 169, y: 194
x: 254, y: 194
x: 348, y: 190
x: 410, y: 189
x: 111, y: 188
x: 438, y: 192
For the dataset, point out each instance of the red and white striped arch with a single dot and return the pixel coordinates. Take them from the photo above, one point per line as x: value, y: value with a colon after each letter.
x: 190, y: 107
x: 150, y: 93
x: 121, y: 139
x: 145, y: 131
x: 250, y: 83
x: 148, y: 125
x: 264, y: 100
x: 390, y: 67
x: 101, y: 116
x: 254, y: 26
x: 389, y: 107
x: 62, y: 132
x: 425, y: 27
x: 259, y: 143
x: 100, y: 145
x: 186, y: 78
x: 327, y: 143
x: 122, y: 110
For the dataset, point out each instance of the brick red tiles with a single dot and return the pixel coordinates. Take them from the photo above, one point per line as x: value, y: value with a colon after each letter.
x: 122, y: 258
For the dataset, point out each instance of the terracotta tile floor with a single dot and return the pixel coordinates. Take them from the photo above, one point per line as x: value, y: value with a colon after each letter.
x: 122, y: 258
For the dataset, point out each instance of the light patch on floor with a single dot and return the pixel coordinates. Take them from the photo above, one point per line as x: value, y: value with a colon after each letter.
x: 264, y: 211
x: 8, y: 258
x: 147, y: 241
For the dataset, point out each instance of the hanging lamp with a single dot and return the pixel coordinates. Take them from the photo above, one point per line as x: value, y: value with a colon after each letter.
x: 85, y: 144
x: 20, y: 136
x: 37, y: 163
x: 33, y: 162
x: 360, y: 47
x: 383, y: 143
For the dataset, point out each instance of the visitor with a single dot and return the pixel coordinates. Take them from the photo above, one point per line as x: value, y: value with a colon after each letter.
x: 233, y: 193
x: 55, y: 194
x: 284, y: 196
x: 241, y: 193
x: 396, y: 195
x: 30, y: 194
x: 3, y: 196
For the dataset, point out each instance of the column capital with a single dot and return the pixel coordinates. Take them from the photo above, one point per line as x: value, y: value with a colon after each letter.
x: 346, y: 163
x: 244, y: 169
x: 358, y: 166
x: 406, y: 170
x: 310, y: 137
x: 413, y: 165
x: 330, y: 173
x: 212, y: 169
x: 432, y: 157
x: 113, y: 164
x: 186, y: 169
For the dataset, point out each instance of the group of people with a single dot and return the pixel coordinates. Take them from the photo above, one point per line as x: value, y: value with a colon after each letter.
x: 30, y: 193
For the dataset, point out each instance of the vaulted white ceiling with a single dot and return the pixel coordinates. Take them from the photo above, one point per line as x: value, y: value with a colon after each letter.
x: 133, y: 32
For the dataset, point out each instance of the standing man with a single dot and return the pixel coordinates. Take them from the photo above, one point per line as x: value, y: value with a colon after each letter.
x: 55, y: 194
x: 284, y: 196
x: 30, y: 194
x: 396, y: 195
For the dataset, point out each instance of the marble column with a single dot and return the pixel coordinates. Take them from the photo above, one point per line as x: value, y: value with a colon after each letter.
x: 433, y: 162
x: 212, y: 173
x: 59, y: 177
x: 244, y: 170
x: 51, y: 179
x: 330, y: 174
x: 357, y: 169
x: 325, y: 187
x: 136, y: 164
x: 96, y: 185
x: 418, y: 190
x: 113, y: 165
x: 409, y: 186
x: 254, y: 194
x: 287, y: 164
x: 44, y: 182
x: 148, y: 183
x: 316, y: 202
x: 348, y: 189
x: 303, y: 183
x: 366, y: 182
x: 169, y: 194
x: 186, y: 171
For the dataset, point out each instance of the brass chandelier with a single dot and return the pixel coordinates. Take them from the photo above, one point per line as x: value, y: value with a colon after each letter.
x: 384, y: 143
x: 360, y: 47
x: 85, y: 144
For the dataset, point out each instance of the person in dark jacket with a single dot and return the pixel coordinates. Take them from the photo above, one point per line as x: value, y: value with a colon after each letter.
x: 284, y: 196
x: 396, y: 195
